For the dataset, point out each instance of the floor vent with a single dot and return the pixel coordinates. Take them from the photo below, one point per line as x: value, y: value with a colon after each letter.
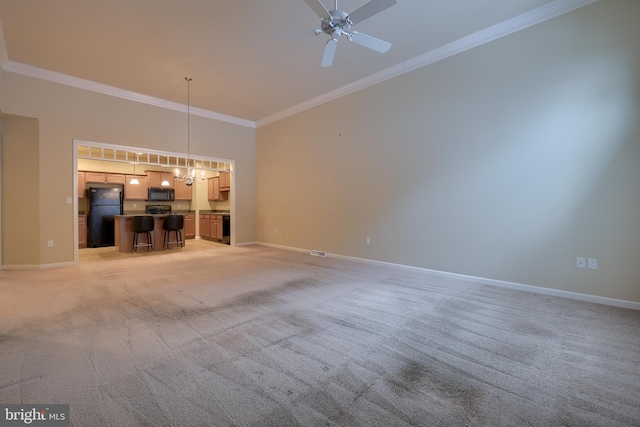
x: 318, y: 253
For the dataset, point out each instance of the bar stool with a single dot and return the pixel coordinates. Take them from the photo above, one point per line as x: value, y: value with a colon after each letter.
x: 142, y: 224
x: 173, y: 223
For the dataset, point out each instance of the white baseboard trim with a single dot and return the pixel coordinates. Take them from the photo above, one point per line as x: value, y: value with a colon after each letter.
x: 246, y: 244
x: 39, y: 266
x: 286, y: 248
x: 482, y: 280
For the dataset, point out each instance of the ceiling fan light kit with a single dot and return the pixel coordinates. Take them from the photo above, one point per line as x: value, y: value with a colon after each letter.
x: 337, y: 23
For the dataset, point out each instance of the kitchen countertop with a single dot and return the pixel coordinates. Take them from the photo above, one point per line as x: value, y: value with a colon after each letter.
x: 215, y: 212
x: 207, y: 212
x: 137, y: 213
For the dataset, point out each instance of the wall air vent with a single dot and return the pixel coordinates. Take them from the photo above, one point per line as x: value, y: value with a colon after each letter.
x: 318, y: 253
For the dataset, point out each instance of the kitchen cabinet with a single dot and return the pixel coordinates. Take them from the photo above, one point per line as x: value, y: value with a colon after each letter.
x: 212, y: 228
x: 214, y: 191
x: 205, y: 226
x: 114, y: 178
x: 182, y: 191
x: 213, y: 188
x: 225, y: 181
x: 190, y: 226
x: 103, y: 178
x: 95, y: 177
x: 123, y: 235
x: 100, y: 178
x: 155, y: 178
x: 81, y: 185
x: 82, y: 231
x: 217, y: 234
x: 135, y: 191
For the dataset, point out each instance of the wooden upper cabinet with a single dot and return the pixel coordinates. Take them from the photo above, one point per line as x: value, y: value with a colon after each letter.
x: 95, y: 177
x: 115, y: 178
x: 225, y: 181
x: 81, y: 186
x: 102, y: 177
x: 214, y: 191
x: 135, y: 191
x: 182, y: 191
x: 213, y: 188
x: 155, y: 178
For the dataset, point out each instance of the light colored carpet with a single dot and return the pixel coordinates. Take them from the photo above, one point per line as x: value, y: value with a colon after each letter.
x: 221, y: 336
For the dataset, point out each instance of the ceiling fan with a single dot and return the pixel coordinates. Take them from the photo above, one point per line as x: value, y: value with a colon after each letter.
x: 337, y: 23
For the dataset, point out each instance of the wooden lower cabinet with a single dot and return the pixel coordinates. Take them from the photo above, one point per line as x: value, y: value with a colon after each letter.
x: 205, y: 232
x: 190, y: 226
x: 217, y: 234
x: 124, y: 236
x: 212, y: 227
x: 82, y: 231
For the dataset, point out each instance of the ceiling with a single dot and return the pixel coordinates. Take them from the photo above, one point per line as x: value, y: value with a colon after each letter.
x: 147, y: 47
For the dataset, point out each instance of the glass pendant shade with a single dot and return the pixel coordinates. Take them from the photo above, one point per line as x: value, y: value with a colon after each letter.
x: 134, y: 179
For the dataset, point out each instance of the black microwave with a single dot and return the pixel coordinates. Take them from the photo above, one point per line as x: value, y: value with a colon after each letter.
x: 158, y: 194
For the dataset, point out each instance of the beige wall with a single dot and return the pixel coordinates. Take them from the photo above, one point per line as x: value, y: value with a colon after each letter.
x: 505, y: 162
x: 20, y: 226
x: 64, y: 114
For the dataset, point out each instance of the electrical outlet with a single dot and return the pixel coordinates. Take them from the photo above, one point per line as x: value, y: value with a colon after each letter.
x: 581, y: 262
x: 69, y: 200
x: 50, y: 243
x: 275, y: 231
x: 592, y: 263
x: 367, y: 241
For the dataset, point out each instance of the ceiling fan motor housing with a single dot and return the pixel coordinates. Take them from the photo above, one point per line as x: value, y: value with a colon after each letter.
x: 338, y: 24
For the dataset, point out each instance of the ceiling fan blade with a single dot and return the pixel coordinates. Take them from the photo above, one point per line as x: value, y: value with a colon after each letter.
x: 329, y: 53
x: 369, y: 9
x: 296, y: 34
x: 370, y: 42
x: 318, y: 8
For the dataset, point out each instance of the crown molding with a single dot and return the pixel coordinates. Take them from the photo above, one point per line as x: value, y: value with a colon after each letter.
x: 4, y: 56
x: 489, y: 34
x: 64, y: 79
x: 535, y: 16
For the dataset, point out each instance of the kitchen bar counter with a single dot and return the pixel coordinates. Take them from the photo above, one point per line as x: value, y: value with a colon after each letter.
x: 214, y: 212
x: 124, y: 235
x: 138, y: 213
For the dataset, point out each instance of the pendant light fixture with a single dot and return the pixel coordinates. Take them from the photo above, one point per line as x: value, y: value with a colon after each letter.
x: 190, y: 176
x: 164, y: 182
x: 134, y: 179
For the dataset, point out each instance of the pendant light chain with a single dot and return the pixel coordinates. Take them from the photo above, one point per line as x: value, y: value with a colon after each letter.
x: 190, y: 176
x: 188, y: 79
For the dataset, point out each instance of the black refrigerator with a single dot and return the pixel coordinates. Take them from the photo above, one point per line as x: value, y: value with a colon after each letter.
x: 104, y: 203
